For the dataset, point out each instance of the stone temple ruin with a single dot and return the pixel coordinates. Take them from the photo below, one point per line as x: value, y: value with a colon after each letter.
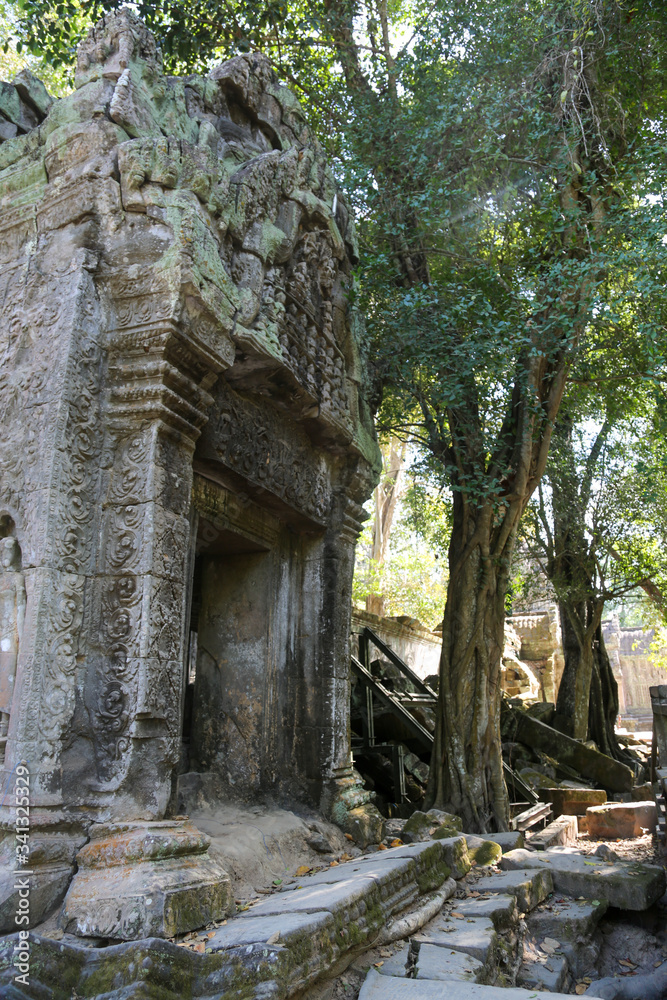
x: 186, y: 447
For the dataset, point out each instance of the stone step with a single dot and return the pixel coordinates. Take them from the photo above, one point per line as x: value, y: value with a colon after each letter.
x: 573, y: 924
x: 502, y: 953
x: 501, y: 908
x: 433, y: 962
x: 480, y: 929
x: 567, y: 919
x: 528, y: 889
x: 377, y: 987
x: 474, y: 936
x: 541, y: 971
x: 628, y: 886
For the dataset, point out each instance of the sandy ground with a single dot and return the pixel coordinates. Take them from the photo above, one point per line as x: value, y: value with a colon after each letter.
x: 261, y: 846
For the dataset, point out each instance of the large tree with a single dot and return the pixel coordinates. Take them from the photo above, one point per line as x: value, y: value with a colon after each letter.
x: 492, y: 151
x: 501, y: 260
x: 598, y: 541
x: 598, y: 531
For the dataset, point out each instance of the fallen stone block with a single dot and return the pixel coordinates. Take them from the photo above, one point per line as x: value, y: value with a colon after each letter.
x: 642, y: 793
x: 508, y: 841
x: 604, y: 771
x: 538, y: 779
x: 572, y: 801
x: 563, y: 831
x: 377, y: 987
x: 52, y: 854
x: 483, y: 852
x: 433, y: 963
x: 47, y: 887
x: 542, y: 710
x: 365, y: 823
x: 627, y: 886
x: 529, y: 891
x: 422, y: 826
x: 621, y: 820
x: 650, y: 986
x: 32, y: 91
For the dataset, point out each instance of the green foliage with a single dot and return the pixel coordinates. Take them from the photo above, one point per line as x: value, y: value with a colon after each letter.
x: 412, y: 580
x: 15, y: 55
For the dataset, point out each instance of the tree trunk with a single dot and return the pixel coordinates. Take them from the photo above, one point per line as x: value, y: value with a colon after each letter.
x: 572, y: 570
x: 603, y: 705
x: 578, y: 625
x: 466, y: 768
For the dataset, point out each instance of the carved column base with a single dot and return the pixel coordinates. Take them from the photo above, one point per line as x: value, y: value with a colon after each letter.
x: 30, y: 892
x: 145, y: 879
x: 349, y: 805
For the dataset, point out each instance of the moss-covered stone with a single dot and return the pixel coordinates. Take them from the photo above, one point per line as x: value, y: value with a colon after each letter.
x: 434, y: 824
x: 486, y: 853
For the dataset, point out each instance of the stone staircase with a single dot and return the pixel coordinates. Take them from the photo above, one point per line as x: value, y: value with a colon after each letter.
x: 459, y: 932
x: 515, y: 936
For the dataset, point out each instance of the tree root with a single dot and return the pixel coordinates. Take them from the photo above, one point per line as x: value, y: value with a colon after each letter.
x: 651, y: 986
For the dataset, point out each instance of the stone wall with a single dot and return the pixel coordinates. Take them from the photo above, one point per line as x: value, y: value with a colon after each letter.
x: 635, y: 672
x: 415, y: 644
x: 540, y: 648
x: 532, y: 658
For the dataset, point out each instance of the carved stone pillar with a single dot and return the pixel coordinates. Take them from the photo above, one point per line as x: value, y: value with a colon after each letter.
x: 135, y: 679
x: 134, y: 686
x: 344, y: 797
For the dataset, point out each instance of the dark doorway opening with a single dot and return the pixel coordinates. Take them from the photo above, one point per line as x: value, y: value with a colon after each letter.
x: 227, y: 652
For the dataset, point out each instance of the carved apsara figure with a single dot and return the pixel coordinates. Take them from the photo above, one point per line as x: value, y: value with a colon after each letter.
x: 12, y: 616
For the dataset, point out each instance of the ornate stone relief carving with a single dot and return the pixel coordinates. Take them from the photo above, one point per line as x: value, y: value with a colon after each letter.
x: 12, y: 617
x: 247, y: 439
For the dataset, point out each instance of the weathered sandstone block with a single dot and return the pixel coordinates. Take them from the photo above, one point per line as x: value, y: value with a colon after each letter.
x: 572, y: 801
x: 620, y: 820
x: 628, y: 886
